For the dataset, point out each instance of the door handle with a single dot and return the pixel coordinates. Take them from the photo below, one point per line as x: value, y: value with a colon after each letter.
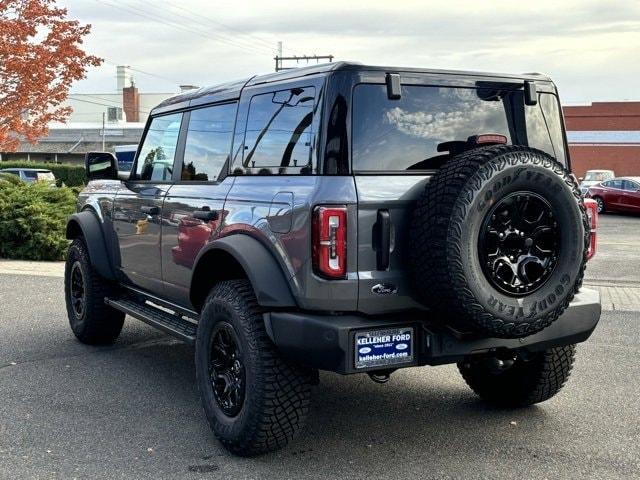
x: 205, y: 214
x: 150, y: 210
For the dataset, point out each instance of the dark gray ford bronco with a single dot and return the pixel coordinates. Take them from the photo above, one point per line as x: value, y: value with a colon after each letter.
x: 345, y: 218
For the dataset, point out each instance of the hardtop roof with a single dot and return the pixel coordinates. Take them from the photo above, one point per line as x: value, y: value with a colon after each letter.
x: 233, y: 89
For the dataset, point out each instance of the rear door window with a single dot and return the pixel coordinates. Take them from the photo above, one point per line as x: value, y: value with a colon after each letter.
x: 279, y: 132
x: 155, y: 161
x: 427, y: 125
x: 208, y: 142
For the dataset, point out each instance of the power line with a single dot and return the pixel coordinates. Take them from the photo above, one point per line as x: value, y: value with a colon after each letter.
x: 265, y: 42
x: 162, y: 20
x: 199, y: 18
x: 71, y: 99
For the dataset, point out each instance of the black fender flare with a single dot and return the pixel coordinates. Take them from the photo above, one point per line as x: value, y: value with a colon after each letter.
x: 265, y: 274
x: 87, y: 225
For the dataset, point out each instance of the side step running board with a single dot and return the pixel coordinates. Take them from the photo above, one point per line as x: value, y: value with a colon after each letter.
x: 170, y: 323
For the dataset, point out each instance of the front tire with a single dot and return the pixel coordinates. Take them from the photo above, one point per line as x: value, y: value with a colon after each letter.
x: 91, y: 320
x: 254, y: 400
x: 510, y: 380
x: 600, y: 202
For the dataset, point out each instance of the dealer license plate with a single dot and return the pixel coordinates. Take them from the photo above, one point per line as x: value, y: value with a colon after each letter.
x: 382, y: 348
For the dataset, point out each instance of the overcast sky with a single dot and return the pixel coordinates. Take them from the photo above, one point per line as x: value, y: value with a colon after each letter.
x: 590, y: 48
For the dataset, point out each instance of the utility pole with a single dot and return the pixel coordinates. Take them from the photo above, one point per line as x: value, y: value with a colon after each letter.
x: 298, y: 58
x: 103, y: 130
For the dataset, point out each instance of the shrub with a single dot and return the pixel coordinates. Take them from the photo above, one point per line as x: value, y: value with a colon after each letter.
x: 33, y: 218
x: 70, y: 175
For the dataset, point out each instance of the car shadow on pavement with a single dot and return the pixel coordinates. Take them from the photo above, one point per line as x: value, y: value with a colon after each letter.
x: 420, y: 409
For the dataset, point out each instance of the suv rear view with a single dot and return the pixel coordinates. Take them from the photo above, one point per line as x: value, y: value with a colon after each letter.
x: 345, y: 218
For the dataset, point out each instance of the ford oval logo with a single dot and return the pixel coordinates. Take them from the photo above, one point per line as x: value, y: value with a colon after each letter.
x: 384, y: 289
x: 364, y: 350
x: 402, y: 346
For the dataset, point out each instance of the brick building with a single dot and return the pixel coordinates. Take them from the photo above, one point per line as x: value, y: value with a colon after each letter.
x: 604, y: 135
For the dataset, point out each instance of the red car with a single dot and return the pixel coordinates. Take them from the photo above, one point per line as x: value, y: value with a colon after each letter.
x: 620, y: 194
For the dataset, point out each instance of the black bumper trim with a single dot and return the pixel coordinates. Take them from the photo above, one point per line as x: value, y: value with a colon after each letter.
x: 326, y: 341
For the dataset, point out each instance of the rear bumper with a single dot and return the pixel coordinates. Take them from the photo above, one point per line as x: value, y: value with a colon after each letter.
x: 327, y: 342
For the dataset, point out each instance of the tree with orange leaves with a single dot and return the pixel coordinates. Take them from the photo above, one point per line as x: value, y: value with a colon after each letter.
x: 40, y: 57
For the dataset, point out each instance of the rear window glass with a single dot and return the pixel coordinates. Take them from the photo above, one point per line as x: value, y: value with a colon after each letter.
x: 597, y: 176
x: 422, y: 129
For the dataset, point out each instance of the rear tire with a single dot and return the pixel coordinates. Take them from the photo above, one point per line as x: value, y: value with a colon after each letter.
x: 91, y: 320
x: 522, y: 382
x: 254, y: 400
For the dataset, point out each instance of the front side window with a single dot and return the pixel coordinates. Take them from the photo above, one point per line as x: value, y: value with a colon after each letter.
x: 155, y: 161
x: 208, y: 142
x: 428, y: 125
x: 278, y: 133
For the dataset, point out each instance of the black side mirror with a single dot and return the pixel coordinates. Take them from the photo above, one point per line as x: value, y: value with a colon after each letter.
x: 101, y: 166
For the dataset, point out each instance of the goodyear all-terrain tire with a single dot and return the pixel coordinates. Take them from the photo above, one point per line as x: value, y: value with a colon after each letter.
x: 518, y: 382
x: 499, y: 241
x: 91, y: 321
x: 254, y: 400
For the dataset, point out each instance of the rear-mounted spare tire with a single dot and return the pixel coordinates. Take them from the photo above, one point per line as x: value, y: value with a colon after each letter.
x: 499, y: 241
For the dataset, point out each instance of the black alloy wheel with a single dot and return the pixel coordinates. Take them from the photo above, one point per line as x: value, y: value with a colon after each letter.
x: 226, y: 369
x: 78, y: 290
x: 519, y: 243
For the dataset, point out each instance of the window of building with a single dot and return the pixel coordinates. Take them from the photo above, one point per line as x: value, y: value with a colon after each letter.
x: 155, y: 161
x: 208, y: 142
x: 279, y: 132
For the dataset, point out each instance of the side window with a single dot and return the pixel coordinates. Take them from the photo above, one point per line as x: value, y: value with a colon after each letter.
x: 155, y: 161
x: 208, y: 142
x: 615, y: 184
x: 629, y: 186
x: 278, y: 133
x: 553, y: 119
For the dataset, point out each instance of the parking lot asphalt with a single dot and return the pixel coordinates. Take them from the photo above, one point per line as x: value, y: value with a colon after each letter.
x: 618, y: 259
x: 132, y: 410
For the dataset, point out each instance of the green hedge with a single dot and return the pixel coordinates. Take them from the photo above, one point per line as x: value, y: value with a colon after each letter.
x: 70, y: 175
x: 33, y: 218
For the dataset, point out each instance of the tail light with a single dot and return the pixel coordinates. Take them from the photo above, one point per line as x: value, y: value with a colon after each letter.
x: 592, y: 215
x: 330, y: 241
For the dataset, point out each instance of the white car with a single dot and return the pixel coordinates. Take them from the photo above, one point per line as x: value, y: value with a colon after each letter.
x: 594, y: 177
x: 31, y: 175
